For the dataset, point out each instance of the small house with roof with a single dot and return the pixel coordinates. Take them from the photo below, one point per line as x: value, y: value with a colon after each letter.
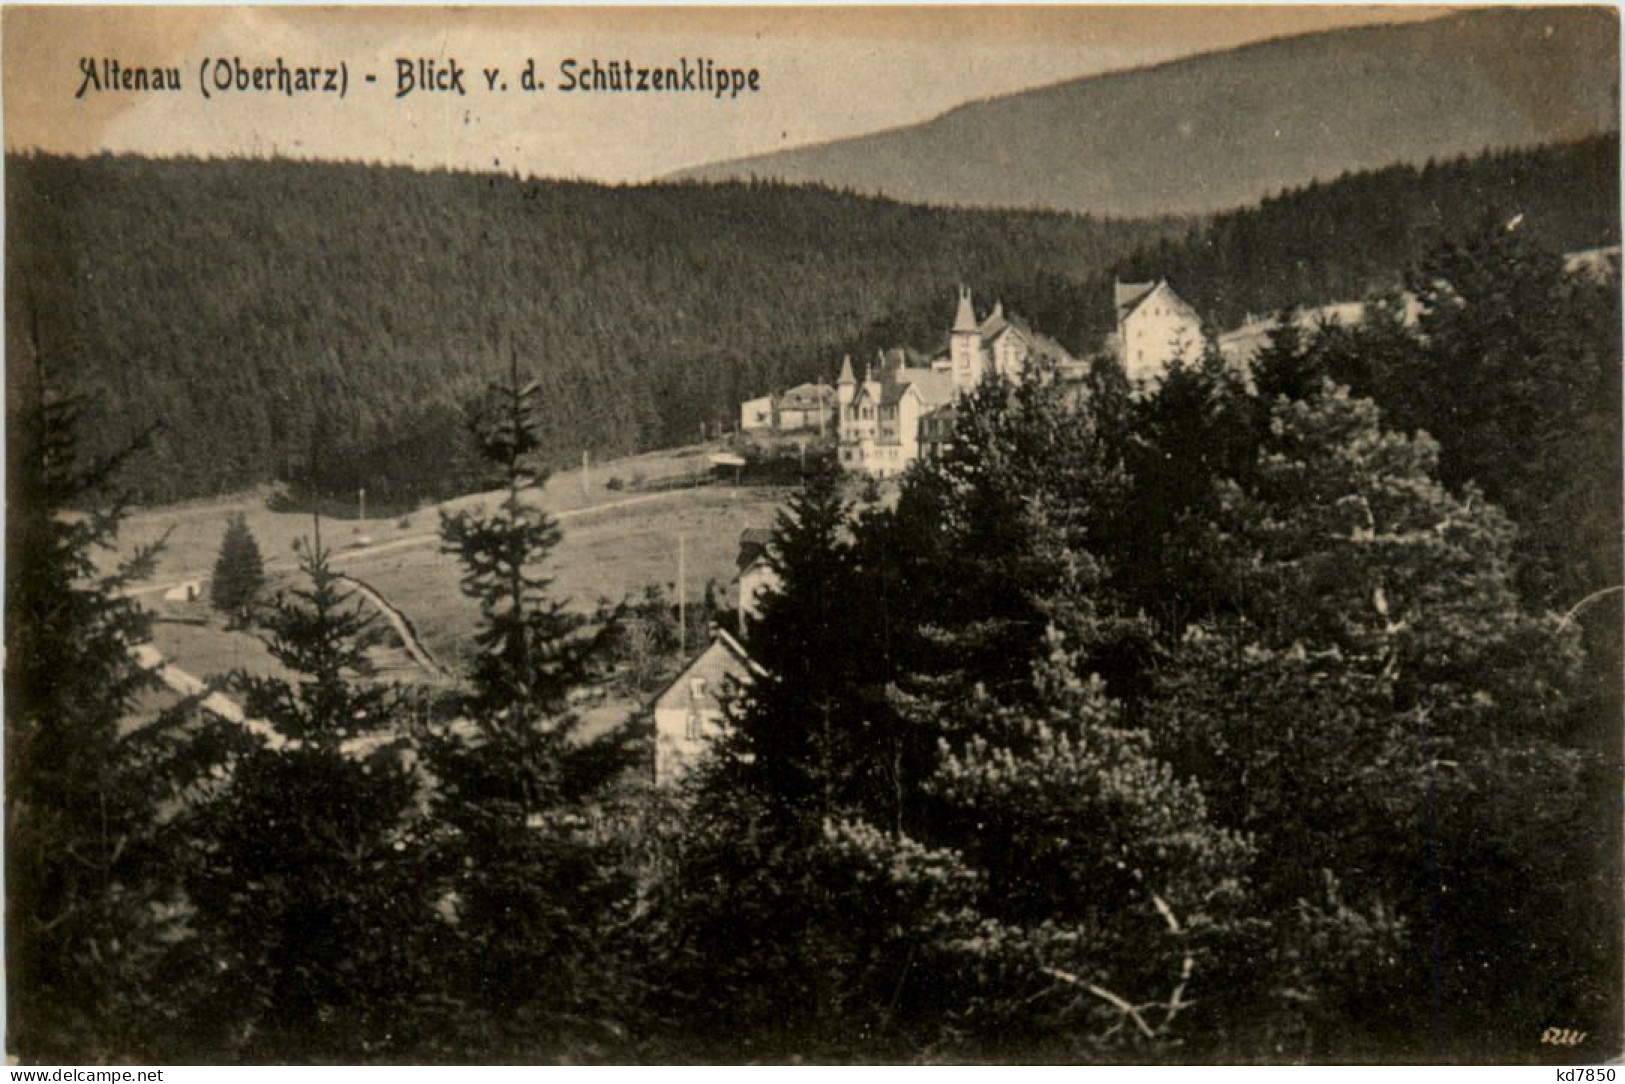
x: 1154, y: 326
x: 807, y: 406
x: 690, y: 713
x: 756, y: 574
x: 758, y: 413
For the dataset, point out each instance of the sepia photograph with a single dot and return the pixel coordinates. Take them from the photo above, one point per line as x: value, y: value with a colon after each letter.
x: 813, y: 535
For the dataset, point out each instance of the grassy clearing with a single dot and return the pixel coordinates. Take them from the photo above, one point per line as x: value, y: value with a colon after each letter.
x: 194, y: 529
x: 616, y: 541
x: 209, y: 651
x: 603, y: 555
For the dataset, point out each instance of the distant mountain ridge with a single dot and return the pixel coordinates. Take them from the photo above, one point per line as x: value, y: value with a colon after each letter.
x: 1221, y: 130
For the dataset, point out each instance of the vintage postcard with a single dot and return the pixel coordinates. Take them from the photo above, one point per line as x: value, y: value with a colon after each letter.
x: 850, y: 535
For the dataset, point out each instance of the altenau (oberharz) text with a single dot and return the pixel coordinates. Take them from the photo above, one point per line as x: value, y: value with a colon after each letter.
x: 216, y: 75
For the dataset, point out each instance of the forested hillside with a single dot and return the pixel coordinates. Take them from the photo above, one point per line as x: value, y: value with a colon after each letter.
x: 1222, y: 130
x: 263, y: 310
x: 1317, y: 244
x: 266, y: 311
x: 1331, y: 242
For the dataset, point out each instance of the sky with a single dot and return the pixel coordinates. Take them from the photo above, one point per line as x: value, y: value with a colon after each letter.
x: 824, y: 74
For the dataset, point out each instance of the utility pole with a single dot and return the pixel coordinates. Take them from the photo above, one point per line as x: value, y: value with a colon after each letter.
x: 585, y: 464
x: 682, y: 597
x: 363, y: 498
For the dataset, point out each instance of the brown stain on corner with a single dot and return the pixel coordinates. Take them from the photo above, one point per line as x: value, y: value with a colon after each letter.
x: 40, y: 49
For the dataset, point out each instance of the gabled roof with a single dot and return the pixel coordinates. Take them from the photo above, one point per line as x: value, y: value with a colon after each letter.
x: 722, y: 642
x: 806, y: 396
x: 1127, y: 295
x: 756, y: 536
x: 1042, y: 344
x: 753, y: 559
x: 1141, y: 292
x: 933, y: 387
x: 1000, y: 323
x: 995, y: 324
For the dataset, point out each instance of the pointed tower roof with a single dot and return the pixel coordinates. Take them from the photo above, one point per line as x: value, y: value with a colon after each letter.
x: 846, y: 376
x: 965, y: 318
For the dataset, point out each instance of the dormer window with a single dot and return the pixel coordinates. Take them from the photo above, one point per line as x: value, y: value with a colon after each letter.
x: 696, y: 688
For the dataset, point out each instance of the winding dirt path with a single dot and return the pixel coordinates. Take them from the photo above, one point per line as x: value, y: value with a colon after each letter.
x: 400, y: 623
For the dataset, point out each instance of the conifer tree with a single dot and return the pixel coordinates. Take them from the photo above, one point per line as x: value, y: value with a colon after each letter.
x: 796, y: 732
x: 794, y: 890
x: 532, y: 894
x: 85, y: 873
x: 239, y: 571
x: 304, y: 868
x: 531, y: 651
x: 1196, y: 426
x: 1108, y: 903
x: 1376, y: 700
x: 1001, y: 538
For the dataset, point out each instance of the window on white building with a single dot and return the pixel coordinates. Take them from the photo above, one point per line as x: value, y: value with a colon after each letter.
x: 693, y: 731
x: 696, y: 687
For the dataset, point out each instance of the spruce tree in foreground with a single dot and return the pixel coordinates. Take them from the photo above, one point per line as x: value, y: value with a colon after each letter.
x: 239, y: 572
x: 304, y: 849
x: 533, y: 896
x: 793, y: 737
x: 769, y: 941
x: 1066, y: 896
x: 84, y: 873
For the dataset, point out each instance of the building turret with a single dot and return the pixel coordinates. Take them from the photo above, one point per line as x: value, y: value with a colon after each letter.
x: 965, y: 318
x: 965, y: 345
x: 846, y: 385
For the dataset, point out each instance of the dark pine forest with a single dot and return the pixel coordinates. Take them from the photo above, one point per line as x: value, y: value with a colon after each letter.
x: 328, y: 323
x: 259, y: 308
